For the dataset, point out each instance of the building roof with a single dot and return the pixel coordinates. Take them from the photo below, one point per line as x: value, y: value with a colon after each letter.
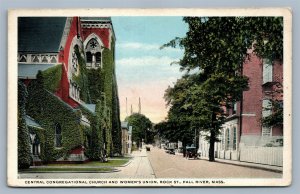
x: 98, y: 19
x: 31, y: 122
x: 124, y: 124
x: 26, y: 71
x: 90, y: 107
x: 40, y: 34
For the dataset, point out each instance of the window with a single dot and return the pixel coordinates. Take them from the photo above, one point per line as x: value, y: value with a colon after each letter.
x: 234, y: 138
x: 266, y: 111
x: 89, y: 57
x: 98, y: 59
x: 266, y: 108
x: 227, y: 139
x: 36, y: 146
x: 74, y: 61
x: 266, y: 131
x: 58, y: 136
x: 234, y: 108
x: 267, y: 71
x: 93, y: 53
x: 74, y: 90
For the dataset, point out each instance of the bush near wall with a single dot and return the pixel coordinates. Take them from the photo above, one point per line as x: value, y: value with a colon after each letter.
x: 48, y: 110
x: 52, y: 77
x: 24, y: 152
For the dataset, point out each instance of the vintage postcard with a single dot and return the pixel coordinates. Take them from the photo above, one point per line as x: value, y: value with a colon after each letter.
x: 149, y: 97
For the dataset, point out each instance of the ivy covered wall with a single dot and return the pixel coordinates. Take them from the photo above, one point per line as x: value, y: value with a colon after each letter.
x: 24, y: 153
x: 97, y: 86
x: 49, y: 110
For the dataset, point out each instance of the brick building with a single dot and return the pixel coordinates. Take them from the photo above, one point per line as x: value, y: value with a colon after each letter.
x: 242, y: 136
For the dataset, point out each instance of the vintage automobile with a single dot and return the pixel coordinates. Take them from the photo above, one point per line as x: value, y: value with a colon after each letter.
x: 170, y: 151
x: 191, y: 152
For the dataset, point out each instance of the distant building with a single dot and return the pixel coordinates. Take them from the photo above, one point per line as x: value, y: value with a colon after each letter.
x: 126, y: 138
x: 242, y: 136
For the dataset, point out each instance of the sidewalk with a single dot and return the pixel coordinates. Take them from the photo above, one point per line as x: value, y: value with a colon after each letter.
x: 245, y: 164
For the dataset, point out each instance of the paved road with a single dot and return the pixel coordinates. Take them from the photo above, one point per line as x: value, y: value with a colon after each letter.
x: 175, y: 166
x: 139, y: 168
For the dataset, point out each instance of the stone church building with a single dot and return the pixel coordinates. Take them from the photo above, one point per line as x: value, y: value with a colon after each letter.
x: 67, y: 68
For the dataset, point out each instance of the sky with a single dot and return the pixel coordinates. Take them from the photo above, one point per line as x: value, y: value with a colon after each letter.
x: 142, y: 68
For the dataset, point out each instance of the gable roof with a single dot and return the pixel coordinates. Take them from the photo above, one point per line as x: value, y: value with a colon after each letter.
x: 90, y: 107
x: 31, y: 122
x: 29, y: 71
x: 40, y: 34
x: 98, y: 19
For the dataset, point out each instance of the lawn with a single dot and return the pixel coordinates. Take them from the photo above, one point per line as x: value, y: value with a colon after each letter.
x: 66, y: 169
x: 93, y: 166
x: 109, y: 163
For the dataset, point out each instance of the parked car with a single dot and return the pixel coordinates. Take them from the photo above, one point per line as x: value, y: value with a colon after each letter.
x: 191, y: 152
x: 170, y: 151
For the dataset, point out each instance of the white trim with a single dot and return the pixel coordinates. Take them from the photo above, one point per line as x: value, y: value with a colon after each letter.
x: 28, y: 57
x: 65, y: 33
x: 249, y: 114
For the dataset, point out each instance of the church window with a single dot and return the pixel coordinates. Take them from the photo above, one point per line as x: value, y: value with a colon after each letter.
x: 93, y: 53
x: 89, y: 57
x: 98, y: 59
x: 74, y: 61
x: 58, y: 136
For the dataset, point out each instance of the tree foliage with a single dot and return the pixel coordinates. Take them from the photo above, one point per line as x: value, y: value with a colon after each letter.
x: 141, y: 128
x: 215, y: 49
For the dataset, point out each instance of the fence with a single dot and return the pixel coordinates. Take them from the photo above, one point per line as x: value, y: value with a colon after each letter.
x: 262, y: 155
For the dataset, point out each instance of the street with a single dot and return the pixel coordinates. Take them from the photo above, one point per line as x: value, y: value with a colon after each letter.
x: 175, y: 166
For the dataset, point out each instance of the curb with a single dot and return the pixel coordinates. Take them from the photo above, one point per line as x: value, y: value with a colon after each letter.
x: 250, y: 165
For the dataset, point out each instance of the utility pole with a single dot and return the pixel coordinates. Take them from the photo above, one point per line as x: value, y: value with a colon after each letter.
x: 140, y: 105
x: 126, y: 108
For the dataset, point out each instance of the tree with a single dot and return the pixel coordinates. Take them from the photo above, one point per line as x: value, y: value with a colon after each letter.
x: 216, y: 48
x: 141, y: 128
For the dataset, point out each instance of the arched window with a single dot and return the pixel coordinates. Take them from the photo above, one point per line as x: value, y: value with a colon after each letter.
x: 58, y: 136
x: 75, y: 59
x: 36, y: 146
x: 93, y: 53
x: 89, y: 57
x: 98, y: 59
